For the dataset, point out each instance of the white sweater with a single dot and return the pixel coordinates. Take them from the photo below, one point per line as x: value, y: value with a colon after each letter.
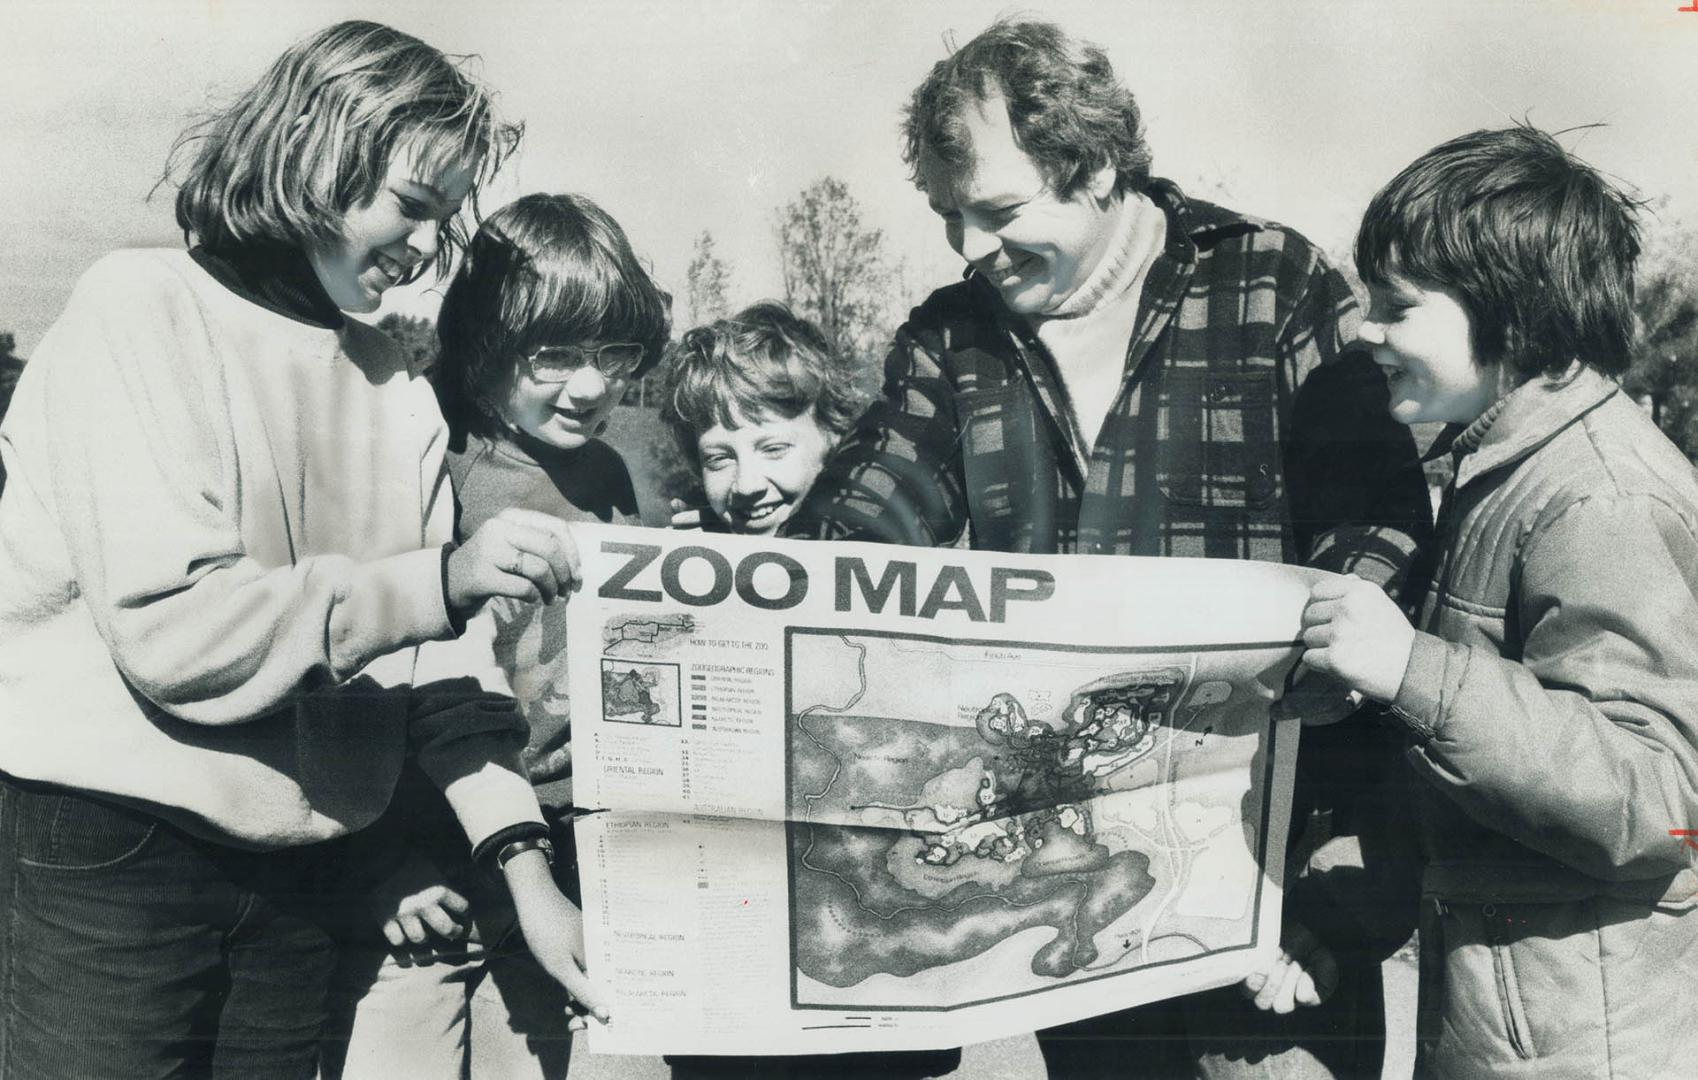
x: 220, y: 570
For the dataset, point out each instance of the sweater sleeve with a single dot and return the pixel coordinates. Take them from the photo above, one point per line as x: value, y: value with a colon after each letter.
x: 1586, y: 748
x: 142, y: 472
x: 468, y: 732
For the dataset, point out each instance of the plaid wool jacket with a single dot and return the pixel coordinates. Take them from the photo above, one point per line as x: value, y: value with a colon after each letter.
x: 1244, y: 427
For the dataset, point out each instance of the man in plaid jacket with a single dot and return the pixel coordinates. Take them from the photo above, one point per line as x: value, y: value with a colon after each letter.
x: 1126, y: 371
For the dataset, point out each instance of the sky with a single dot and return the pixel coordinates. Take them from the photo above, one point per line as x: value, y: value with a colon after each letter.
x: 681, y: 116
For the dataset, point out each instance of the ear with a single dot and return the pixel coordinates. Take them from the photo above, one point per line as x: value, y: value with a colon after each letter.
x: 1102, y: 181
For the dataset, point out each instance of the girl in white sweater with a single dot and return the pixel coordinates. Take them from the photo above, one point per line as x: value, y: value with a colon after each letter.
x: 229, y: 598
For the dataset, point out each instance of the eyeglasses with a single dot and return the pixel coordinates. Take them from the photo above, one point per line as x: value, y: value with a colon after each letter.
x: 556, y: 363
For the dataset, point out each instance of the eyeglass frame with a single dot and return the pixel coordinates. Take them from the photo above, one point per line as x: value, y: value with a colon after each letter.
x: 587, y: 358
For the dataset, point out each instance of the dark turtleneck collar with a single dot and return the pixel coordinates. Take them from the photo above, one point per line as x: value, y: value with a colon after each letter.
x: 276, y: 277
x: 531, y: 450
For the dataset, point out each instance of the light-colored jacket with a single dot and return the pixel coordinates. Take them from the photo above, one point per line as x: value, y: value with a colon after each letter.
x: 1553, y: 703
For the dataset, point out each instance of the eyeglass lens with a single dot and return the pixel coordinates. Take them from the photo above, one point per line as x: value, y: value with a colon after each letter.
x: 557, y: 362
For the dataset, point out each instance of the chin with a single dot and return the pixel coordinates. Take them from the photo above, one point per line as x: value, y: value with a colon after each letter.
x: 573, y: 441
x: 363, y: 301
x: 367, y: 296
x: 1032, y: 299
x: 766, y: 526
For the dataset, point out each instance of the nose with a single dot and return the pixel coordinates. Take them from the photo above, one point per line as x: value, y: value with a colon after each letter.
x: 749, y: 482
x: 425, y: 238
x: 1371, y: 332
x: 587, y: 387
x: 976, y: 242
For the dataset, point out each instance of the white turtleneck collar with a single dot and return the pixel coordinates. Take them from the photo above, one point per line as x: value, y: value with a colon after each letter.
x: 1140, y: 231
x: 1089, y: 332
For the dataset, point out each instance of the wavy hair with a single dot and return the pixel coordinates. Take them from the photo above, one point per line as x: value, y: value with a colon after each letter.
x: 313, y: 138
x: 763, y: 362
x: 1537, y: 244
x: 1067, y: 110
x: 542, y: 270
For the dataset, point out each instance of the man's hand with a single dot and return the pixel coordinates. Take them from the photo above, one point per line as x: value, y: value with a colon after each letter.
x: 1304, y: 973
x: 524, y: 554
x: 1354, y: 633
x: 554, y: 930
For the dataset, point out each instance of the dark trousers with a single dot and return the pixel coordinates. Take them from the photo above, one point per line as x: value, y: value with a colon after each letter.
x: 888, y: 1065
x: 1221, y: 1035
x: 132, y: 950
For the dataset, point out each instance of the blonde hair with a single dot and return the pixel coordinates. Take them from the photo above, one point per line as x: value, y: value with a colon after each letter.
x: 313, y: 138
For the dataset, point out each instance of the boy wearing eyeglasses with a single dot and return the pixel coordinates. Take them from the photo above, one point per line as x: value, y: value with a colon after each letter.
x: 549, y: 319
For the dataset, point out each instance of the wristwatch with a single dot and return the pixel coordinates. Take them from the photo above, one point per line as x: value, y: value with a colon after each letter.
x: 518, y: 847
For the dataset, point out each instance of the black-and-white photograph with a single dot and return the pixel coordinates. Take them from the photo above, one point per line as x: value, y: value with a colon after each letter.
x: 790, y: 539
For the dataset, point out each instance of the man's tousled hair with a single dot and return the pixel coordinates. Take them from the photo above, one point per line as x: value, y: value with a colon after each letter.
x: 1065, y: 106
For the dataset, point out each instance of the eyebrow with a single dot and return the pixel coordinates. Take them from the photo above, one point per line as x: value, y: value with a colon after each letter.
x: 430, y: 191
x: 995, y: 204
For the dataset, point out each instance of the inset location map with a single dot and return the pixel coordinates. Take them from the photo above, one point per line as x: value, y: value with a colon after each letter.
x: 976, y: 820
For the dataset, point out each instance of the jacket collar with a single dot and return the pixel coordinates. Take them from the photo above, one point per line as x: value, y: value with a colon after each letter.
x: 1195, y: 225
x: 1525, y: 419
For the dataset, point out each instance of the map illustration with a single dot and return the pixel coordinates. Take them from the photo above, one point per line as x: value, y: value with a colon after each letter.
x: 975, y: 814
x: 645, y: 629
x: 640, y: 692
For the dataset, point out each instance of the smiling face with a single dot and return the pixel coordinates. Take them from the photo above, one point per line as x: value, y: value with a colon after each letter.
x: 1423, y: 339
x: 756, y: 471
x: 1001, y: 215
x: 385, y: 241
x: 564, y: 415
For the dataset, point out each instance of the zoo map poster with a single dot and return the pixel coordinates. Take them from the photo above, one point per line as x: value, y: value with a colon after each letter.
x: 866, y: 797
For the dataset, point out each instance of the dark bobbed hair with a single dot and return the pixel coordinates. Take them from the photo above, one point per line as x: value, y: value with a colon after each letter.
x: 761, y: 363
x: 1539, y: 247
x: 1067, y: 110
x: 313, y: 138
x: 542, y: 270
